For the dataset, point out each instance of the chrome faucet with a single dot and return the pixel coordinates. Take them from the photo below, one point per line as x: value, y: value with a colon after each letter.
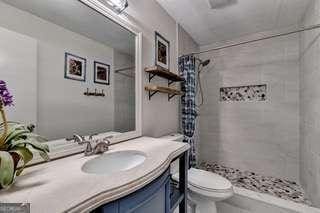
x: 78, y: 138
x: 81, y: 140
x: 100, y: 145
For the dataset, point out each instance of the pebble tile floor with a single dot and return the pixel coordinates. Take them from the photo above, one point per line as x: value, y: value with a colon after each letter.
x: 281, y: 188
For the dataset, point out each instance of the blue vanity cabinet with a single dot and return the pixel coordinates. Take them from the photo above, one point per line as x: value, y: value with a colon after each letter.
x: 157, y: 197
x: 154, y: 198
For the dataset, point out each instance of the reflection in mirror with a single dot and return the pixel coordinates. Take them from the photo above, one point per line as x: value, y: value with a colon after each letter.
x: 69, y: 68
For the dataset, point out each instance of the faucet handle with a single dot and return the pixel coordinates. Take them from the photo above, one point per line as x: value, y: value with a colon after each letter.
x: 101, y: 146
x: 78, y: 138
x: 91, y: 136
x: 107, y: 138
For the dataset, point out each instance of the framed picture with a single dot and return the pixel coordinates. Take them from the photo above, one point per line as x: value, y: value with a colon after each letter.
x: 162, y: 51
x: 75, y: 67
x: 101, y: 73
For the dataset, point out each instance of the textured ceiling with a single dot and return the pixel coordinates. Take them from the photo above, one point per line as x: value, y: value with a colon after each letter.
x: 231, y: 19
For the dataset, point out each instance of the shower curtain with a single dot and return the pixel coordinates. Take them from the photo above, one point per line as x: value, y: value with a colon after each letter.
x: 188, y: 103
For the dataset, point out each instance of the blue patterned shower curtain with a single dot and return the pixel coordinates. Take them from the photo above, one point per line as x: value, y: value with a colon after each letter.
x: 188, y: 103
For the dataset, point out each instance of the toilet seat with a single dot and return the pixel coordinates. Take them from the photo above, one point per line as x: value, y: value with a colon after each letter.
x: 207, y: 183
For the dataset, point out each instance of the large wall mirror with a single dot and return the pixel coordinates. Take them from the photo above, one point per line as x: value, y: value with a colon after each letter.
x: 70, y: 69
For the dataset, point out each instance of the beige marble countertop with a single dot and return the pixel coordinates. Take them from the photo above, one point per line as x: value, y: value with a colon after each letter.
x: 61, y: 186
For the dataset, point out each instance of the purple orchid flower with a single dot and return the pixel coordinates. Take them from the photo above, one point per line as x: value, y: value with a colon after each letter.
x: 5, y: 95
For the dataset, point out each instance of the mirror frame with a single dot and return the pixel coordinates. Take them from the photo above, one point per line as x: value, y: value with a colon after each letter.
x: 117, y: 18
x: 69, y: 148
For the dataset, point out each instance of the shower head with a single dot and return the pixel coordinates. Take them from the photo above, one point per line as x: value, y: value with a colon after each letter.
x: 205, y: 63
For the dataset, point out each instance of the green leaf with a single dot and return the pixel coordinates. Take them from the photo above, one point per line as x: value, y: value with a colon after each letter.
x: 15, y: 135
x: 44, y: 155
x: 38, y: 138
x: 9, y: 123
x: 25, y: 154
x: 6, y: 169
x: 13, y: 127
x: 19, y: 140
x: 36, y: 145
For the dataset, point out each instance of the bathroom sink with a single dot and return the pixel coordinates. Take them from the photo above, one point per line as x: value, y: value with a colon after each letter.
x: 108, y: 163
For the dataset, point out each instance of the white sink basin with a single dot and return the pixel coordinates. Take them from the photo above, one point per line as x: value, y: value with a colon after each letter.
x: 108, y: 163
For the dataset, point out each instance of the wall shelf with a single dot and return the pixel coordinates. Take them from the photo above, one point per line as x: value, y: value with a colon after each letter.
x: 170, y: 76
x: 153, y: 89
x: 158, y: 71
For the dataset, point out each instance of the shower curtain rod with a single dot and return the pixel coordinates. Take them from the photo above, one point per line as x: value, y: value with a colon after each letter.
x: 312, y: 27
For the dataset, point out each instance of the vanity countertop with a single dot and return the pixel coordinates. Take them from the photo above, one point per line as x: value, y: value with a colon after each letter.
x: 61, y: 185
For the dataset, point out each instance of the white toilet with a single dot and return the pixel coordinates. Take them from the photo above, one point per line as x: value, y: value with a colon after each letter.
x: 205, y: 188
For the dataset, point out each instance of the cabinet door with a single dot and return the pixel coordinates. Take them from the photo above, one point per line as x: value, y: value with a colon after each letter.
x: 152, y: 198
x: 109, y: 208
x: 155, y: 204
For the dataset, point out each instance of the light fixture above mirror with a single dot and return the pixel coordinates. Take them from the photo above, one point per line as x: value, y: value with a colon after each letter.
x: 117, y: 5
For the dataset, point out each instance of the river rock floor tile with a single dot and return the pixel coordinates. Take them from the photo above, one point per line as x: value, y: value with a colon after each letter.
x: 285, y: 189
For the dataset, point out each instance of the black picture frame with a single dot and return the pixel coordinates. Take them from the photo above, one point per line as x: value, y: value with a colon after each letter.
x: 164, y: 63
x: 96, y: 65
x: 71, y: 74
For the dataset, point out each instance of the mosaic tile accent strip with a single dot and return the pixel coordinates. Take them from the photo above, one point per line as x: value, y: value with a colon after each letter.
x: 244, y: 93
x: 281, y: 188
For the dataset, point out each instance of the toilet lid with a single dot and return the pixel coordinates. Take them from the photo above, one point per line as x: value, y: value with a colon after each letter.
x: 207, y: 180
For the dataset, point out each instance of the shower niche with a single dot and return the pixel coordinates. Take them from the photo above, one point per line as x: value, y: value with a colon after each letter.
x: 244, y: 93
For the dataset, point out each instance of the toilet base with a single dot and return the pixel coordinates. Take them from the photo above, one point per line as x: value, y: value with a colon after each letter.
x: 200, y: 204
x: 200, y: 207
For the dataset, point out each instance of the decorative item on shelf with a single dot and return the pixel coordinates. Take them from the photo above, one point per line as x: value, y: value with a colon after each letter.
x: 101, y: 73
x: 95, y: 93
x: 162, y: 51
x: 75, y: 67
x: 16, y: 143
x: 153, y: 89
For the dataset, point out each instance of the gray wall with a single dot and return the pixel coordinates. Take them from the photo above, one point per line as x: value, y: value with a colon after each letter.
x: 310, y: 105
x: 159, y: 117
x: 255, y: 136
x: 186, y: 43
x: 19, y: 58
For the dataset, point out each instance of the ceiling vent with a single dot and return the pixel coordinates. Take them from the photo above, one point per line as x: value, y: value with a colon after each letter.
x: 219, y: 4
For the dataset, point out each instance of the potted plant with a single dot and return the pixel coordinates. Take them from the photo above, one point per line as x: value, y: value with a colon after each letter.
x: 17, y: 143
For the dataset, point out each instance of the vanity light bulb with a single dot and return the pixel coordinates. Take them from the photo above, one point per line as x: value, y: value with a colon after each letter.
x: 117, y: 5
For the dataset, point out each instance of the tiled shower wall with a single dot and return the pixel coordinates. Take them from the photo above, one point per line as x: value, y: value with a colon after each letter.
x: 310, y: 105
x: 261, y: 136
